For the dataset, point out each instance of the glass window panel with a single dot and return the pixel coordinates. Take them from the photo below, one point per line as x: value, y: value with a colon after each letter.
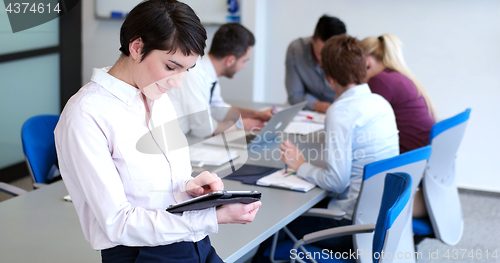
x: 29, y: 87
x: 42, y: 36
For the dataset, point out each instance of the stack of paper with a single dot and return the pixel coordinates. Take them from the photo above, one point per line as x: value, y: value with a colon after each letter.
x: 287, y: 180
x: 215, y: 156
x: 310, y: 116
x: 303, y: 128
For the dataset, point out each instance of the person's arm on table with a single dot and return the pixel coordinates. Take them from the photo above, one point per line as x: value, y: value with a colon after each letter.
x: 334, y: 178
x: 294, y: 86
x: 321, y: 106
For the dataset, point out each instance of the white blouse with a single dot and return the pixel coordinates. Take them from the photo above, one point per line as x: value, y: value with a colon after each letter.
x: 119, y: 190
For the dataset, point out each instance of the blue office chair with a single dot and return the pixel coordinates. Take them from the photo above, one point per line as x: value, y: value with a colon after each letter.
x: 439, y: 185
x: 37, y: 135
x: 11, y: 190
x: 393, y: 216
x: 370, y: 199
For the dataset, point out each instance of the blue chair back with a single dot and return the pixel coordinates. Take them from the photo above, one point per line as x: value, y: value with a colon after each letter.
x: 37, y: 135
x: 370, y: 197
x: 439, y: 183
x: 394, y: 215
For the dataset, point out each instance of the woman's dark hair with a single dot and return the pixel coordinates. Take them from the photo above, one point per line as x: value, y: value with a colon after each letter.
x: 343, y: 60
x: 327, y: 27
x: 164, y: 25
x: 231, y: 39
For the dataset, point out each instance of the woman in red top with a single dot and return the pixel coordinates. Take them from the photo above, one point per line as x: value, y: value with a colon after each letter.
x: 387, y: 75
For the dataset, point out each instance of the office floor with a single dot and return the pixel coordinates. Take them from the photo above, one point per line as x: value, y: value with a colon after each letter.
x: 481, y: 231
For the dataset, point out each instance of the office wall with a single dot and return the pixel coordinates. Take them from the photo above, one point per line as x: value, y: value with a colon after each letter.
x: 452, y: 46
x: 101, y: 42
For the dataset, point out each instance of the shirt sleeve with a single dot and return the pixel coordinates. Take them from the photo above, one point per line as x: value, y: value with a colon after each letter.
x: 193, y: 101
x: 336, y: 176
x: 294, y: 85
x: 92, y: 180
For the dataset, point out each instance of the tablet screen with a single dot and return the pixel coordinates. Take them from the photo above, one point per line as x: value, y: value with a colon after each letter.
x: 215, y: 199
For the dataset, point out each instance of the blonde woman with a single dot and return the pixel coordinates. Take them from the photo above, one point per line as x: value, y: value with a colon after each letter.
x: 388, y: 76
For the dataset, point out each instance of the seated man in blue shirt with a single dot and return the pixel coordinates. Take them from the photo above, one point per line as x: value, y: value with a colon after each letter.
x: 360, y: 129
x: 305, y: 79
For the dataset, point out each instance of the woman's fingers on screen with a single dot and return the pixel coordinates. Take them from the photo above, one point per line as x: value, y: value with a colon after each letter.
x: 204, y: 183
x: 209, y: 182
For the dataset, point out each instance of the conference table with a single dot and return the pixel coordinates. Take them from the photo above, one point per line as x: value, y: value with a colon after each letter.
x: 41, y: 227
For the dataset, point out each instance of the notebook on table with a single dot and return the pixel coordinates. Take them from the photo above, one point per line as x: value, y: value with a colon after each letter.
x: 286, y: 180
x: 249, y: 174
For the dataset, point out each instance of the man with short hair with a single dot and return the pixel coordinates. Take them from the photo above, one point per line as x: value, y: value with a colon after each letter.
x: 200, y: 90
x: 305, y: 79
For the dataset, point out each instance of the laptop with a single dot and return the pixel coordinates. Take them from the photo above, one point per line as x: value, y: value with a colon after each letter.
x: 274, y: 127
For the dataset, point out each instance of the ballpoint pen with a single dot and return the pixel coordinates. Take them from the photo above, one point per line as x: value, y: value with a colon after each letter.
x: 309, y: 117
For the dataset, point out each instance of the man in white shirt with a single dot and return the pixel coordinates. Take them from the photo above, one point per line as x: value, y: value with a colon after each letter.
x: 201, y: 92
x: 360, y: 129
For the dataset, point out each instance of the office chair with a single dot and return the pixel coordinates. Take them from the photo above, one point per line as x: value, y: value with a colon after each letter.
x: 370, y: 198
x: 439, y: 187
x: 393, y: 216
x: 37, y: 135
x: 12, y: 190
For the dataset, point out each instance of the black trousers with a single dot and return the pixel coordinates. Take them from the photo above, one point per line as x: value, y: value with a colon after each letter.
x: 185, y: 252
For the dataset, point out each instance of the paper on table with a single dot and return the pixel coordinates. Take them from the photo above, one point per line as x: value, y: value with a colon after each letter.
x: 303, y: 128
x: 67, y: 198
x: 210, y: 156
x: 288, y: 180
x: 310, y: 116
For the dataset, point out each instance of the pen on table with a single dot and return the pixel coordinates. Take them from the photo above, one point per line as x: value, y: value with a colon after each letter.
x: 306, y: 116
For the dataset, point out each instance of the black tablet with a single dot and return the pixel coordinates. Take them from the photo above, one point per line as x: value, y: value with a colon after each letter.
x: 215, y: 199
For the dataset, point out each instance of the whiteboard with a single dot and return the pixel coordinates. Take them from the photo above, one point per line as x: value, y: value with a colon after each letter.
x: 210, y: 12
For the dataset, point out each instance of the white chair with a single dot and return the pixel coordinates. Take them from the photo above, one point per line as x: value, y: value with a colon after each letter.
x: 439, y: 183
x: 393, y: 216
x: 369, y: 200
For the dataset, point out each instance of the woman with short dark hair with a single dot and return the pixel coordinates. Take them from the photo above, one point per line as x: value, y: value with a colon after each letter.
x: 120, y: 171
